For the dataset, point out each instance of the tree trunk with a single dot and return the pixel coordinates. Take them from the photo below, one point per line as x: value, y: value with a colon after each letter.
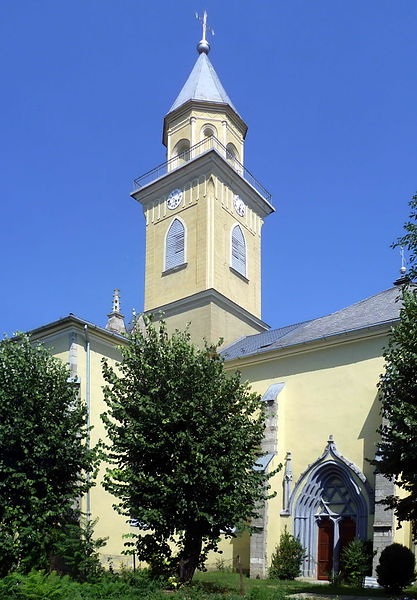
x: 189, y: 556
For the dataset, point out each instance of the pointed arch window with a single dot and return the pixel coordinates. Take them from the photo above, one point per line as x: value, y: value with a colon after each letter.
x: 175, y: 245
x: 238, y: 251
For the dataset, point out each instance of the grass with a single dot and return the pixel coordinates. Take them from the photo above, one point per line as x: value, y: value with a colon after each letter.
x: 264, y: 589
x: 213, y: 585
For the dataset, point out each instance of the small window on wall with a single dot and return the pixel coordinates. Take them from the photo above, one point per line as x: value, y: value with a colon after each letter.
x: 182, y: 151
x: 208, y: 133
x: 175, y: 245
x: 238, y: 254
x: 232, y: 154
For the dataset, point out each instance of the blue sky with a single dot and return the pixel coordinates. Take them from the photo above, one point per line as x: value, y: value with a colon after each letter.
x: 327, y: 87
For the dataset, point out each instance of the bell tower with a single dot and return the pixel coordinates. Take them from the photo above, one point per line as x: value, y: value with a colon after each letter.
x: 204, y: 213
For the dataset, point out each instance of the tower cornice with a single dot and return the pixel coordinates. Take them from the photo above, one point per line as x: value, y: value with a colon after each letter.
x: 202, y: 299
x: 211, y: 162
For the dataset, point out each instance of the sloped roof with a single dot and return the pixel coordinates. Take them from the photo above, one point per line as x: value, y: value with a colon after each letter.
x: 202, y: 84
x: 376, y: 310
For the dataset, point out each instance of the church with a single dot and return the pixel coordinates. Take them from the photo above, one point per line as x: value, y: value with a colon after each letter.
x: 203, y: 216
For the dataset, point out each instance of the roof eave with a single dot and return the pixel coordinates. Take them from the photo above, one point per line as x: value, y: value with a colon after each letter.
x: 340, y: 337
x: 72, y: 320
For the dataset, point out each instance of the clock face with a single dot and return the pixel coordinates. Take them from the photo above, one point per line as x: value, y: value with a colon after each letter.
x: 174, y: 198
x: 239, y: 206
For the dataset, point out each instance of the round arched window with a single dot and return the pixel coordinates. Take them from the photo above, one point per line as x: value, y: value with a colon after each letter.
x: 232, y: 153
x: 208, y: 131
x: 182, y: 151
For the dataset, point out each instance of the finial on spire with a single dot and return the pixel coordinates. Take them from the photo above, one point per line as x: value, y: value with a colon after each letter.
x: 203, y: 46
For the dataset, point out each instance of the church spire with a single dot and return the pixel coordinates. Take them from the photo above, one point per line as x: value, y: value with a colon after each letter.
x: 203, y: 84
x: 116, y: 321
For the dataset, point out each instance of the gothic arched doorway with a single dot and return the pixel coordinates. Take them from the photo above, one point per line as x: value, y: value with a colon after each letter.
x: 330, y: 504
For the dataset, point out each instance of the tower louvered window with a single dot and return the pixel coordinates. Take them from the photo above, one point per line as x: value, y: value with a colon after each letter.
x: 175, y: 245
x: 238, y: 251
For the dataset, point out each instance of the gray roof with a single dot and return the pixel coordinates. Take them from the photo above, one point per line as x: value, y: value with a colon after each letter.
x: 202, y: 84
x: 376, y: 310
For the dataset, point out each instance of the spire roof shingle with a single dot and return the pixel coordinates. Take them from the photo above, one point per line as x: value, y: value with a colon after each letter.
x: 202, y: 84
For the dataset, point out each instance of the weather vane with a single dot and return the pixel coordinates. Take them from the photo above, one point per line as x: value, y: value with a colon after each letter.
x: 203, y: 45
x: 403, y: 267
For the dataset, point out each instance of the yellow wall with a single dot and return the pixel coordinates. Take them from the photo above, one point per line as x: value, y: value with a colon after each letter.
x: 110, y: 524
x: 210, y: 322
x: 331, y: 390
x: 208, y: 215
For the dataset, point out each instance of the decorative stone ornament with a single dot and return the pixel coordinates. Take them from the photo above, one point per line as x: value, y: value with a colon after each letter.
x: 239, y: 206
x: 174, y: 198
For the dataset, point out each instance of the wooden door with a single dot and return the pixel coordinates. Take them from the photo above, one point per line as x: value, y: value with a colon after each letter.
x: 347, y: 532
x: 325, y: 548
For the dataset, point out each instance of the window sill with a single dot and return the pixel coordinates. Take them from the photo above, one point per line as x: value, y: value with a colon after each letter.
x: 245, y: 279
x: 174, y: 269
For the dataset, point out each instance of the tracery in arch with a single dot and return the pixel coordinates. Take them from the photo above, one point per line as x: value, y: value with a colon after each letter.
x: 330, y: 504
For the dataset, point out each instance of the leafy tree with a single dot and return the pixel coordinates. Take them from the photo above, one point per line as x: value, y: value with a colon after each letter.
x: 287, y: 558
x: 44, y: 459
x: 184, y: 438
x: 396, y: 455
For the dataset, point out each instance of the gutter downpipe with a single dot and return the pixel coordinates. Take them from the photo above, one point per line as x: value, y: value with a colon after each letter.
x: 87, y: 402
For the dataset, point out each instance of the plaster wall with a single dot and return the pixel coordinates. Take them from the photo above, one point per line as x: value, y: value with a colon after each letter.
x: 208, y: 216
x: 210, y: 322
x: 70, y: 347
x: 330, y: 390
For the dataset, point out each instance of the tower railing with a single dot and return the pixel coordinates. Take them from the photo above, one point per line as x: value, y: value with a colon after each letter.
x: 206, y: 145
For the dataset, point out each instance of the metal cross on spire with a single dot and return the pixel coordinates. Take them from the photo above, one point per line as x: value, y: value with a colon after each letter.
x: 203, y: 45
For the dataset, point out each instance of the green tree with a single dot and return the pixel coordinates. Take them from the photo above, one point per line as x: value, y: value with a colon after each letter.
x: 287, y: 558
x: 44, y: 460
x: 184, y: 438
x: 356, y: 562
x: 396, y: 455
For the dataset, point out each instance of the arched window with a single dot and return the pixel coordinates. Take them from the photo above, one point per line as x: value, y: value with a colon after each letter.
x: 182, y: 151
x: 208, y: 130
x: 232, y: 154
x: 238, y: 254
x: 175, y: 245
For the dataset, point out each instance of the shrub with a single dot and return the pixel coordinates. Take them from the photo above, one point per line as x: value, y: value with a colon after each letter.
x: 37, y: 585
x: 75, y: 552
x: 287, y: 558
x: 396, y: 568
x: 355, y: 562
